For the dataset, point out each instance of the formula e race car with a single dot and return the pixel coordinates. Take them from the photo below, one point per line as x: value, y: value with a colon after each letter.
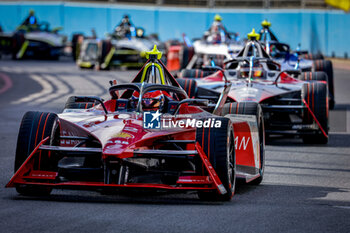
x: 30, y: 41
x: 122, y: 48
x: 149, y: 135
x: 267, y: 35
x: 293, y: 103
x: 298, y: 59
x: 194, y: 54
x: 207, y: 51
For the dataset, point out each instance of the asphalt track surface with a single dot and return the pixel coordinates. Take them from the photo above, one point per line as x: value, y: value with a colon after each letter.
x: 306, y: 188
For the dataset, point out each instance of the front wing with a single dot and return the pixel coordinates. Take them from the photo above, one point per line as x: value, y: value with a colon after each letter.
x: 26, y: 175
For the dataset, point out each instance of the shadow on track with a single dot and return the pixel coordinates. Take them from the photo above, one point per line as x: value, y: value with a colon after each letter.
x: 335, y: 140
x: 245, y: 194
x: 133, y: 196
x: 339, y: 107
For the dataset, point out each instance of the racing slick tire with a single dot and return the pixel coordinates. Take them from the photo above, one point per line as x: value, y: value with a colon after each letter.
x: 218, y: 145
x: 327, y: 67
x: 314, y: 76
x: 251, y: 108
x: 76, y: 46
x: 72, y: 104
x: 315, y: 96
x: 195, y: 73
x: 189, y: 85
x: 319, y: 76
x: 35, y: 127
x: 310, y: 56
x: 17, y: 43
x: 106, y: 47
x: 186, y: 53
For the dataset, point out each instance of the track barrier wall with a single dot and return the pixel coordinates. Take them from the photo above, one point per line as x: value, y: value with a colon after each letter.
x: 326, y: 31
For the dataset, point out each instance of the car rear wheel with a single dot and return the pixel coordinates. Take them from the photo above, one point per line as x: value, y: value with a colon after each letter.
x: 218, y: 145
x: 186, y: 54
x: 76, y: 45
x: 72, y: 104
x: 35, y: 127
x: 251, y: 108
x: 315, y: 96
x: 327, y: 67
x: 314, y: 76
x: 17, y: 43
x: 319, y: 76
x: 106, y: 47
x: 189, y: 85
x: 316, y: 56
x: 195, y: 73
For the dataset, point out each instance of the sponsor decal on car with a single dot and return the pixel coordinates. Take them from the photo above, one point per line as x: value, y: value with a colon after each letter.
x: 123, y: 135
x: 241, y: 143
x: 154, y: 120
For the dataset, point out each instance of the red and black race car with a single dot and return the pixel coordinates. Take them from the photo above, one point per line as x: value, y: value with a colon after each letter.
x: 149, y: 135
x: 302, y: 60
x: 293, y: 103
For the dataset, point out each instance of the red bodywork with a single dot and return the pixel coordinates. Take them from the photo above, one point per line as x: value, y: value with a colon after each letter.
x: 121, y: 138
x: 260, y: 89
x: 126, y: 138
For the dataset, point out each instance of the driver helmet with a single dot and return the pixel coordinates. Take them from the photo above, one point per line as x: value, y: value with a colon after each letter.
x: 218, y: 18
x: 258, y: 71
x: 151, y: 101
x: 125, y: 19
x: 32, y: 18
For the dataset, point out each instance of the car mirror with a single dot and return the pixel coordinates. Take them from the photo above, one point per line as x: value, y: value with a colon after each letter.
x: 209, y: 68
x: 192, y: 102
x: 90, y: 99
x: 293, y: 72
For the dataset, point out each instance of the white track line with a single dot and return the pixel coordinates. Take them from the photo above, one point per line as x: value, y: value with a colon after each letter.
x: 81, y: 85
x: 62, y: 89
x: 46, y: 89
